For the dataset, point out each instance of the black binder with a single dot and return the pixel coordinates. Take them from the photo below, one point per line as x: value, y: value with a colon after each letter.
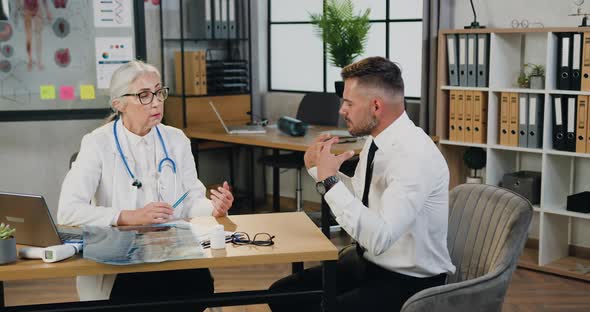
x: 564, y: 60
x: 558, y: 122
x: 577, y: 44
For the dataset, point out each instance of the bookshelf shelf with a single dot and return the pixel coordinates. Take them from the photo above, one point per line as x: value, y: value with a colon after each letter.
x: 563, y: 173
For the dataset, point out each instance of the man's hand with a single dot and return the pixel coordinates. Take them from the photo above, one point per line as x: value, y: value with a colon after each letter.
x: 328, y: 163
x: 310, y: 156
x: 222, y: 200
x: 152, y: 213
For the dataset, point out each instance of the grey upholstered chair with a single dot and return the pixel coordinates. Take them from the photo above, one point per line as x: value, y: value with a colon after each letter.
x: 488, y: 227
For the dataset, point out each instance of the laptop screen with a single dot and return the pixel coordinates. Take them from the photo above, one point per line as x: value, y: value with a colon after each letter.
x: 29, y: 215
x: 219, y: 116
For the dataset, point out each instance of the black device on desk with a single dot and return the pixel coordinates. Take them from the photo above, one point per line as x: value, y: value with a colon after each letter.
x: 292, y: 126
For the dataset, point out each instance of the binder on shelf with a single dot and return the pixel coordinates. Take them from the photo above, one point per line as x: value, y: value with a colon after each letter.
x: 535, y: 121
x: 564, y: 61
x: 200, y: 21
x: 217, y: 19
x: 452, y: 60
x: 460, y: 111
x: 576, y: 61
x: 582, y: 124
x: 462, y: 60
x: 570, y: 136
x: 224, y: 19
x: 483, y: 59
x: 480, y: 117
x: 558, y: 127
x: 471, y: 60
x: 513, y: 120
x: 453, y: 115
x: 231, y: 8
x: 201, y: 59
x: 468, y: 116
x: 504, y: 115
x: 191, y: 83
x: 523, y: 102
x: 585, y: 84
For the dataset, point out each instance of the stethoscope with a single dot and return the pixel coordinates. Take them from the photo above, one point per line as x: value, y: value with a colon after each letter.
x: 167, y: 158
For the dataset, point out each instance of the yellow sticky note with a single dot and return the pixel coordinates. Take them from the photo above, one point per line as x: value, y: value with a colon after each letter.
x: 87, y: 92
x: 47, y: 92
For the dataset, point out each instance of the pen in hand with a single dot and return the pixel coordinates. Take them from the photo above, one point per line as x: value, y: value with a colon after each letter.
x: 180, y: 200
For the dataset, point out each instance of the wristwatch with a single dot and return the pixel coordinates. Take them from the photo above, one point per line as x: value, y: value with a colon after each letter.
x: 324, y: 186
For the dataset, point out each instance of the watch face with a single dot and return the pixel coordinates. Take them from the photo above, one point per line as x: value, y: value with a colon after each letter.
x: 321, y: 188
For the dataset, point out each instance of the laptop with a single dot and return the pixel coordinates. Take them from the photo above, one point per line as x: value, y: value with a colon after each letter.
x: 29, y: 215
x: 245, y: 129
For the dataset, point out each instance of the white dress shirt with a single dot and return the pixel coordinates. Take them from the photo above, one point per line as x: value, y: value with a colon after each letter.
x: 404, y: 229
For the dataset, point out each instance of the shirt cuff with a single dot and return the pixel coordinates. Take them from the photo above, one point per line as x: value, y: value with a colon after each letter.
x: 338, y: 197
x: 115, y: 218
x: 313, y: 172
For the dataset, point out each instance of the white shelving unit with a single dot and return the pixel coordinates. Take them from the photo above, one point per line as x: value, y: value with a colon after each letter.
x: 563, y: 173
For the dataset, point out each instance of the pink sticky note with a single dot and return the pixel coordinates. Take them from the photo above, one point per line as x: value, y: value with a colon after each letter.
x: 66, y: 93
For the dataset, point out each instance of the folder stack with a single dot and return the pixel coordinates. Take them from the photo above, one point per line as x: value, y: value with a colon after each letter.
x: 468, y: 59
x: 227, y: 76
x: 468, y: 116
x: 573, y: 51
x: 195, y: 75
x: 521, y: 119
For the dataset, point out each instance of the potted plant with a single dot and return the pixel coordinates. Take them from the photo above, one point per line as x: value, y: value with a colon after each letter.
x: 344, y: 33
x: 475, y: 159
x: 7, y: 244
x: 531, y: 76
x: 537, y: 76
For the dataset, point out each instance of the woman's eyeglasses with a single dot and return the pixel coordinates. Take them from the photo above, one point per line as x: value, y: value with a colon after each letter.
x: 260, y: 239
x: 147, y: 97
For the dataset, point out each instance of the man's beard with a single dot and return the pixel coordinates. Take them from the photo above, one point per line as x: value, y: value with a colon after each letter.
x: 365, y: 128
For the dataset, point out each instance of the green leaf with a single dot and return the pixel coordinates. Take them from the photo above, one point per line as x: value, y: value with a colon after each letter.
x: 344, y: 33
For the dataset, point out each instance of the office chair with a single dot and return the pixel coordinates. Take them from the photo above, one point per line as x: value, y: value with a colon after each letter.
x: 488, y: 227
x: 320, y: 109
x: 73, y: 158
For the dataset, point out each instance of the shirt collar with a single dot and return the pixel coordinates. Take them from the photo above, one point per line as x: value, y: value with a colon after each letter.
x: 393, y: 132
x: 135, y: 139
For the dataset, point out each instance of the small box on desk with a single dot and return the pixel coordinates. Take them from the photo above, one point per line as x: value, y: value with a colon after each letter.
x: 525, y: 183
x: 579, y: 202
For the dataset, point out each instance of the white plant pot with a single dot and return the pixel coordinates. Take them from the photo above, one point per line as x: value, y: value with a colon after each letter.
x: 471, y: 180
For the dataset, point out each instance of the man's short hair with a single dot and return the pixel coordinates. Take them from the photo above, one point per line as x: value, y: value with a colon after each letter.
x: 378, y: 72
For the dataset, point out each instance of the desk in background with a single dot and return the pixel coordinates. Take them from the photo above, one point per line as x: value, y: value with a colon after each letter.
x: 297, y: 239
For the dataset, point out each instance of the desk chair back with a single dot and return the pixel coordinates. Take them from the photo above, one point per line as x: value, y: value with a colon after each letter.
x: 319, y: 109
x: 488, y: 228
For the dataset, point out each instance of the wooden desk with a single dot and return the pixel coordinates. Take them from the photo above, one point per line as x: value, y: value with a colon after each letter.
x: 273, y: 138
x: 297, y: 239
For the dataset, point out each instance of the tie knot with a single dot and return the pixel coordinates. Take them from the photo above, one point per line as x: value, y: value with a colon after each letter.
x: 373, y: 148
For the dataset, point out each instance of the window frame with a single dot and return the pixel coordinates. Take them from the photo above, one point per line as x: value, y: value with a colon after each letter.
x: 388, y: 21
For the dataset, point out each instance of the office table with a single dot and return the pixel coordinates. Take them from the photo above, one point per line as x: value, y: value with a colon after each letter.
x: 276, y: 140
x: 297, y: 239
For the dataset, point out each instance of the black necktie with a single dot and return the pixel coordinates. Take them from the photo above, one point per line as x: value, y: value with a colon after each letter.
x: 368, y: 175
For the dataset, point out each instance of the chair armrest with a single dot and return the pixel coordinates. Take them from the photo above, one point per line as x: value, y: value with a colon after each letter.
x: 485, y: 293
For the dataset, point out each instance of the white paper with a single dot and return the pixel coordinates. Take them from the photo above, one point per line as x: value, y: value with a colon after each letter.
x: 113, y: 13
x: 577, y: 51
x: 522, y: 113
x: 557, y: 104
x: 532, y: 110
x: 471, y: 52
x: 451, y: 50
x: 571, y: 113
x: 481, y: 48
x: 111, y: 52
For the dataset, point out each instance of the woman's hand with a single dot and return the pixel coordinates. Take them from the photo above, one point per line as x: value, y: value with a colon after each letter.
x: 152, y: 213
x: 222, y: 200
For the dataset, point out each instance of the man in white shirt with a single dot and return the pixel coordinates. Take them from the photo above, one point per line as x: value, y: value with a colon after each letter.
x: 395, y: 206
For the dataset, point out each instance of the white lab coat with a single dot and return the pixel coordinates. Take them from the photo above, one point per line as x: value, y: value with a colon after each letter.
x: 98, y: 187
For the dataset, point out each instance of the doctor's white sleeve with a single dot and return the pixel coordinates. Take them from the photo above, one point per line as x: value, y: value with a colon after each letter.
x: 79, y: 187
x: 196, y: 203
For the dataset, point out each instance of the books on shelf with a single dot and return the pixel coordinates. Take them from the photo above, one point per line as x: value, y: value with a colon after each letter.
x: 195, y: 75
